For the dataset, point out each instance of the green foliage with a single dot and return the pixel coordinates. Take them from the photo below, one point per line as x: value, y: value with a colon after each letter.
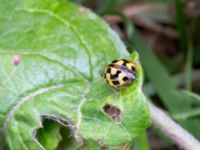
x: 49, y: 135
x: 173, y: 99
x: 181, y: 26
x: 179, y: 105
x: 195, y: 112
x: 108, y: 6
x: 141, y: 143
x: 52, y: 54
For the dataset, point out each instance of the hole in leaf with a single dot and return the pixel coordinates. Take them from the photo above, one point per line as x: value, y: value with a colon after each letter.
x: 68, y: 140
x: 53, y: 135
x: 49, y: 135
x: 113, y: 112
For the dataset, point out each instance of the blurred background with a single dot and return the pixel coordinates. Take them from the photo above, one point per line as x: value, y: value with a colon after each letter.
x: 166, y: 33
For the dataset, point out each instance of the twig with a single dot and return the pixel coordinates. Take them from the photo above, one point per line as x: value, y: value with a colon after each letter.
x: 172, y: 130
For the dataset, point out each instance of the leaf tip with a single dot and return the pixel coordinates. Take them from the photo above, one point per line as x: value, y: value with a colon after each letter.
x: 134, y: 56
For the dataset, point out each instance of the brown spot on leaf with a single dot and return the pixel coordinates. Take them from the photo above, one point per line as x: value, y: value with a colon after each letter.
x: 16, y: 60
x: 113, y: 112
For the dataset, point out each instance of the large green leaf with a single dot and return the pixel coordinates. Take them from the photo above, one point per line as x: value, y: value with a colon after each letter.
x: 52, y: 54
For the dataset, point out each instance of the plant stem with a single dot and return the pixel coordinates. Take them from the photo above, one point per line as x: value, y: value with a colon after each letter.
x: 172, y: 130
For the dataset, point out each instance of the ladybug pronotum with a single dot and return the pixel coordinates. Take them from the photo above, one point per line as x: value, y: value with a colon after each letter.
x: 120, y: 73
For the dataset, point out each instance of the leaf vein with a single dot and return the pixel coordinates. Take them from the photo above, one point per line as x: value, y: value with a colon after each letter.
x: 81, y: 39
x: 27, y: 98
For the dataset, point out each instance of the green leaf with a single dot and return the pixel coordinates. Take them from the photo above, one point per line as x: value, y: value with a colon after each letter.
x: 49, y: 136
x: 181, y: 25
x: 187, y: 115
x: 89, y: 145
x: 52, y: 55
x: 195, y: 112
x: 108, y: 6
x: 141, y: 142
x: 194, y: 97
x: 189, y: 66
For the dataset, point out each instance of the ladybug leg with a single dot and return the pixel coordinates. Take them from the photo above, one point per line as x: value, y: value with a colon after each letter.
x: 102, y: 74
x: 128, y: 90
x: 125, y: 90
x: 116, y: 92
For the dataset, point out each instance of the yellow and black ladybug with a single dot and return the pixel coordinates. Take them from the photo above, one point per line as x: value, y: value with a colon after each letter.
x: 120, y: 73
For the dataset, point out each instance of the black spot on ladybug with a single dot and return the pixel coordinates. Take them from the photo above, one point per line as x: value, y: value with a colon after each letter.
x: 133, y: 68
x: 108, y: 70
x: 113, y: 76
x: 118, y: 72
x: 125, y: 60
x: 111, y: 65
x: 114, y: 61
x: 115, y: 82
x: 124, y: 64
x: 125, y: 78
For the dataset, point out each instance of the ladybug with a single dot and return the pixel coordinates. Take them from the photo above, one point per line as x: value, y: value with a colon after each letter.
x: 120, y: 73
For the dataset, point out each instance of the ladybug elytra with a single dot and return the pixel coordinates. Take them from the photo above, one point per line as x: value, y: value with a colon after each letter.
x: 120, y: 73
